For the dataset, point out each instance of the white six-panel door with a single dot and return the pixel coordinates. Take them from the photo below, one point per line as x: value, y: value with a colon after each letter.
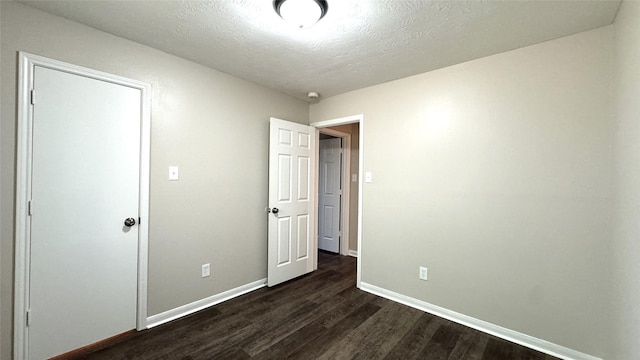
x: 291, y: 248
x: 85, y: 183
x: 329, y: 194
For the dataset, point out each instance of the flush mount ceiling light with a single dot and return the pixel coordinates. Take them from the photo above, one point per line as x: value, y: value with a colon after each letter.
x: 301, y: 13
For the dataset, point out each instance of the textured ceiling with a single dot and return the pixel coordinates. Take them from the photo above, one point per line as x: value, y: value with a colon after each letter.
x: 357, y: 44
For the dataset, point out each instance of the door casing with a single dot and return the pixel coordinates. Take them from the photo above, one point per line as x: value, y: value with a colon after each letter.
x: 321, y: 126
x: 27, y: 63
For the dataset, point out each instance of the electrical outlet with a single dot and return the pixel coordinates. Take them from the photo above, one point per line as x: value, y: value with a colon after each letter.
x: 206, y: 270
x: 423, y: 273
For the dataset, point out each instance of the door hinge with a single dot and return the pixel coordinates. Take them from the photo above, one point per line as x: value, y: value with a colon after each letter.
x: 30, y: 206
x: 28, y: 318
x: 33, y: 95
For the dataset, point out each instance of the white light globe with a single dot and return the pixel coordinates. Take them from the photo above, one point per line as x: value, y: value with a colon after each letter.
x: 300, y: 13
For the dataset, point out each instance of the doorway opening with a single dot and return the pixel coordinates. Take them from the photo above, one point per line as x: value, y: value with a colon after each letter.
x: 349, y: 132
x: 333, y: 190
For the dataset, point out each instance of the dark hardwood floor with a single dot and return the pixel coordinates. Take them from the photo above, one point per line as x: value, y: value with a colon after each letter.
x: 319, y: 316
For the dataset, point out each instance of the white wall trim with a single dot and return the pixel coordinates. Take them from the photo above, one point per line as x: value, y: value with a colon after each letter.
x: 195, y: 306
x: 340, y: 121
x: 486, y: 327
x: 27, y: 63
x: 353, y: 253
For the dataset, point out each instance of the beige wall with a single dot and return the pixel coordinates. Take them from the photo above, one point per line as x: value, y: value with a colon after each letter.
x: 214, y: 126
x: 355, y: 187
x: 496, y: 174
x: 626, y: 260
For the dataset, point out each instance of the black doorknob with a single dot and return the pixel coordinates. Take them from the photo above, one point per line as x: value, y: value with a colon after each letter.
x: 129, y: 222
x: 275, y: 210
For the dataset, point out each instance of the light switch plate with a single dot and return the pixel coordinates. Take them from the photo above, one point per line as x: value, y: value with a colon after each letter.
x: 174, y: 173
x: 206, y: 270
x: 354, y: 177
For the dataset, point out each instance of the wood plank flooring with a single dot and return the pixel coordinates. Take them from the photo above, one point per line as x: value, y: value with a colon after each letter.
x: 319, y: 316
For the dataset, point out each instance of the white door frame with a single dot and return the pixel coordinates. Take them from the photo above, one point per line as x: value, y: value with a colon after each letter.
x: 346, y: 184
x: 344, y: 121
x: 27, y: 63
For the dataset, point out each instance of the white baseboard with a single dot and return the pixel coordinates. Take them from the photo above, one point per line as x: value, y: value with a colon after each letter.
x: 187, y: 309
x: 489, y: 328
x: 353, y: 253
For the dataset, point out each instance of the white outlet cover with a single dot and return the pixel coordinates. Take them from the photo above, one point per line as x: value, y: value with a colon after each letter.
x: 368, y: 177
x: 424, y: 273
x: 206, y: 270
